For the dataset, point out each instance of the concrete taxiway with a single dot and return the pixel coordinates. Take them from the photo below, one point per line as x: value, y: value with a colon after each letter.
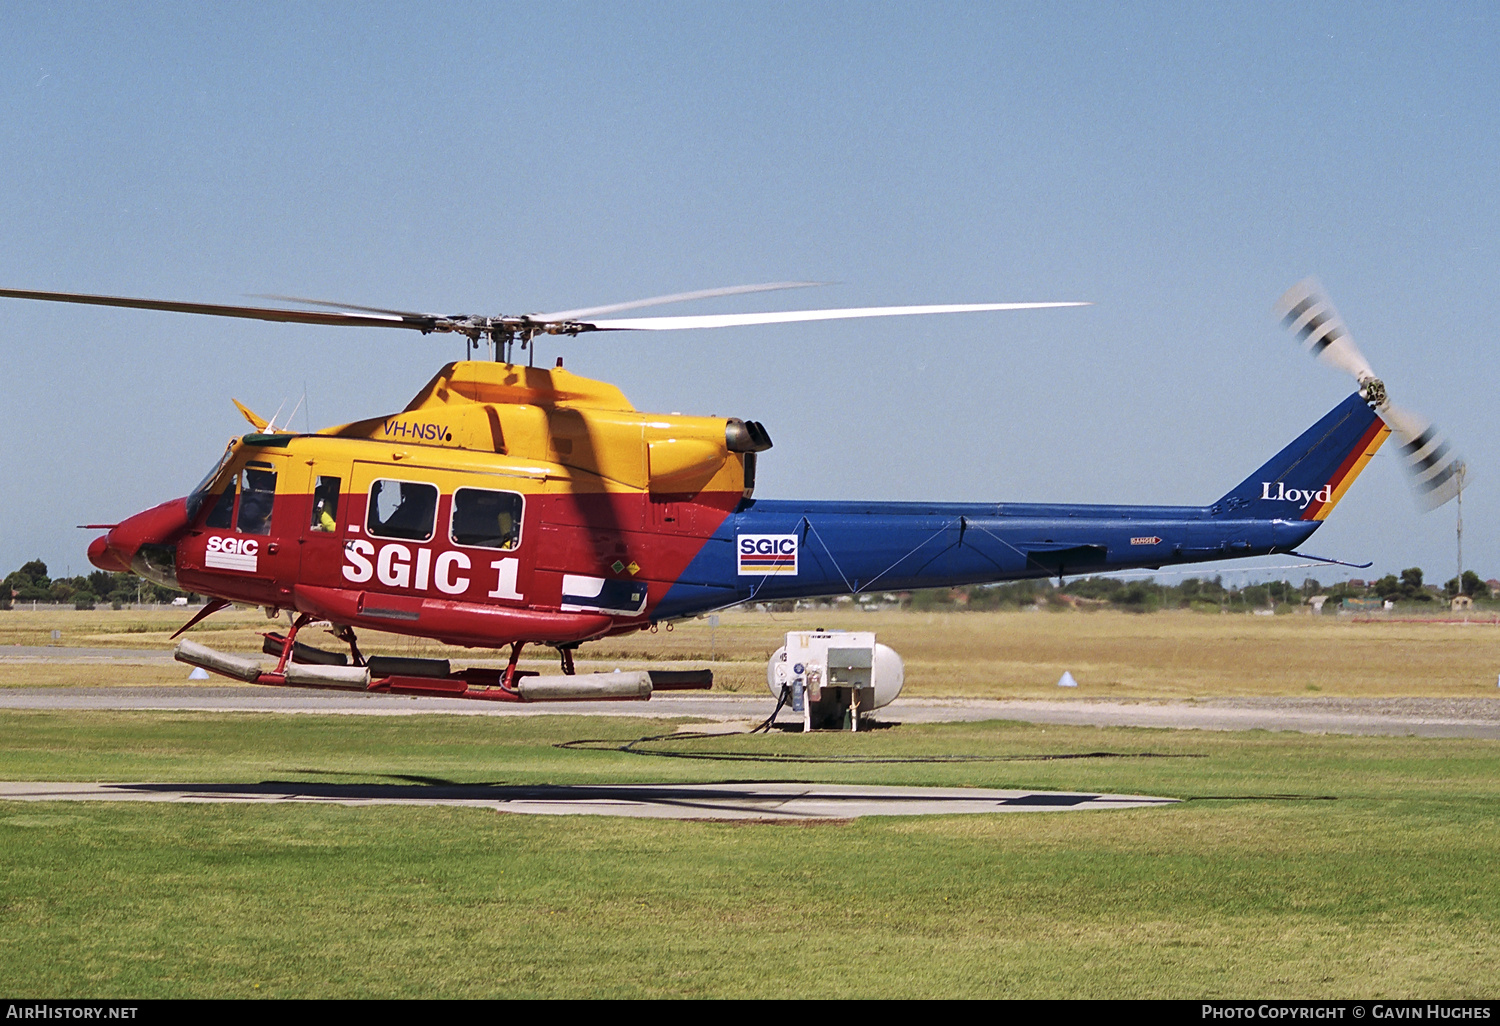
x: 761, y: 801
x: 1421, y: 717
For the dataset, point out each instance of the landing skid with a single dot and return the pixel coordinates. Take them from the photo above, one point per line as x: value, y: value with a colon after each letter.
x: 432, y: 677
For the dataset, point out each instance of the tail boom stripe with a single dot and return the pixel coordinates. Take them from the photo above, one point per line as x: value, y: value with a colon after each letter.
x: 1374, y: 436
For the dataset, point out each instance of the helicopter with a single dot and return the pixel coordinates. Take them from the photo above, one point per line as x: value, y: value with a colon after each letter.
x: 512, y: 505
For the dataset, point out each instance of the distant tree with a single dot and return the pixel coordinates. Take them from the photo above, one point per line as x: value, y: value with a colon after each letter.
x: 30, y: 583
x: 158, y: 593
x: 1137, y: 597
x: 1106, y: 588
x: 928, y: 599
x: 1344, y: 589
x: 1411, y: 585
x: 101, y: 582
x: 1007, y: 596
x: 1472, y: 586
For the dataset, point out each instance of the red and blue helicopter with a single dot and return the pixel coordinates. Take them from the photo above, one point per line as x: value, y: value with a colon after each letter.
x: 509, y: 505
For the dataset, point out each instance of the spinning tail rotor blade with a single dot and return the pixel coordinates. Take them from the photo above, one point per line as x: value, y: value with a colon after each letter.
x: 1435, y: 469
x: 1308, y: 314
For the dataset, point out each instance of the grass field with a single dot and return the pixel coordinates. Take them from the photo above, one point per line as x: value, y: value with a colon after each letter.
x: 996, y: 655
x: 1372, y: 875
x: 1298, y: 866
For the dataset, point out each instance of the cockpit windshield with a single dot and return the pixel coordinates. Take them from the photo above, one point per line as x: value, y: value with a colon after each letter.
x: 200, y: 494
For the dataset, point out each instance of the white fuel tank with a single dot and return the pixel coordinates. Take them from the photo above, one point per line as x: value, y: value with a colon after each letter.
x: 813, y: 660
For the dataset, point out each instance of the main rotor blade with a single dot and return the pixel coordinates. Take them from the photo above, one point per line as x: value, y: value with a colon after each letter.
x: 335, y: 305
x: 420, y: 322
x: 676, y: 297
x: 794, y: 316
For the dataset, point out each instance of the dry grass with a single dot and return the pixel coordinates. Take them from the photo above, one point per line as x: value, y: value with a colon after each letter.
x: 991, y: 655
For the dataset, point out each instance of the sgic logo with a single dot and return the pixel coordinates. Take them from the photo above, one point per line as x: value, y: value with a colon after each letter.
x: 231, y: 553
x: 239, y: 546
x: 762, y: 554
x: 1302, y: 497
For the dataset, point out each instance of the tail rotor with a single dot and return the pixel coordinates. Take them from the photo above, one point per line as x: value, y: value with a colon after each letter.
x: 1437, y: 473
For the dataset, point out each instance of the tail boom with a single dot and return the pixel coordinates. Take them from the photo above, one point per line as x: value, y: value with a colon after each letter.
x: 771, y: 550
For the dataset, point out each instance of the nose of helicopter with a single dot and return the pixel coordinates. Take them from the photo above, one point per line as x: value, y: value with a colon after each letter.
x: 101, y: 556
x: 144, y: 544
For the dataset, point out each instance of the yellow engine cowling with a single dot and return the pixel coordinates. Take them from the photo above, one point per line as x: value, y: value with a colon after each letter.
x: 684, y: 464
x: 552, y: 415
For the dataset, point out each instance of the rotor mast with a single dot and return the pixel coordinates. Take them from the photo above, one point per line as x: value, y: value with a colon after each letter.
x: 503, y: 333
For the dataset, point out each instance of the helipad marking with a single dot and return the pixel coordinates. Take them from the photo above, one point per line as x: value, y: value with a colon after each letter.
x: 788, y: 801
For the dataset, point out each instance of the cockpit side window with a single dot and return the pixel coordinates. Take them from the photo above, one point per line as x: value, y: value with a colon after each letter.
x: 325, y: 511
x: 257, y: 495
x: 402, y: 509
x: 222, y: 513
x: 486, y: 519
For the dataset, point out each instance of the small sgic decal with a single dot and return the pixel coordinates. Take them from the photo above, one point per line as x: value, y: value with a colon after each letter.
x: 762, y: 554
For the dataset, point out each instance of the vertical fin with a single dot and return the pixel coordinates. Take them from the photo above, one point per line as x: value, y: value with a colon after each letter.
x: 1306, y: 480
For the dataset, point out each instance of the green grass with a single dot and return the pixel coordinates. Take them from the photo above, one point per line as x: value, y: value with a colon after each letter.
x: 1391, y: 889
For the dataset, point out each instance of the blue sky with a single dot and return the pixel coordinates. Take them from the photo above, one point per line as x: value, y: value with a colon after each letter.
x: 1178, y: 165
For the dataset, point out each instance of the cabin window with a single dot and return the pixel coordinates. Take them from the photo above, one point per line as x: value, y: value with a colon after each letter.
x: 486, y: 519
x: 257, y: 494
x: 402, y: 509
x: 325, y: 509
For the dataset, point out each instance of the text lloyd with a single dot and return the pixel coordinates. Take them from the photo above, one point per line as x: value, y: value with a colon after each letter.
x: 1285, y: 494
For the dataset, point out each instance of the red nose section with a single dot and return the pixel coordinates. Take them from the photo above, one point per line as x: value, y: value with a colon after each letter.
x: 159, y: 525
x: 101, y: 556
